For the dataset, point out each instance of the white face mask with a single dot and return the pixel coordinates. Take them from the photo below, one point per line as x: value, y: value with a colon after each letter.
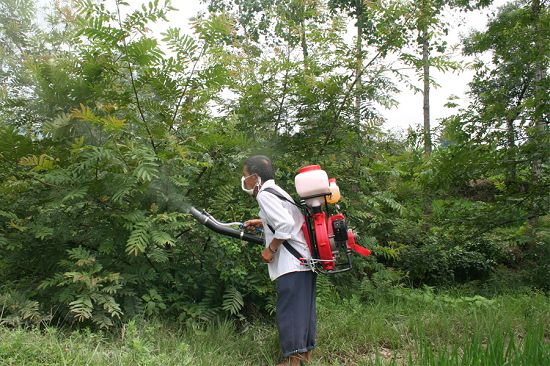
x: 251, y: 190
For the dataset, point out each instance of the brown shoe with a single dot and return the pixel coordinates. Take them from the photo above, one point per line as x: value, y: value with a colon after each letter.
x: 294, y: 360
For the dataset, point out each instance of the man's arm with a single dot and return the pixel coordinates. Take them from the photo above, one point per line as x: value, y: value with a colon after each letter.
x: 271, y: 249
x: 280, y: 219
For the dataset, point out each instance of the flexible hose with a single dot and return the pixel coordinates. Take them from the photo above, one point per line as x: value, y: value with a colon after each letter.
x: 207, y: 220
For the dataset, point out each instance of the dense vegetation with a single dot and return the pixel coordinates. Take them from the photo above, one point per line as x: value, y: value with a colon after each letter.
x: 108, y: 134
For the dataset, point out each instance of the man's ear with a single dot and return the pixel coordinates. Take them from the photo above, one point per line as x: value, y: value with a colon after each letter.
x: 257, y: 185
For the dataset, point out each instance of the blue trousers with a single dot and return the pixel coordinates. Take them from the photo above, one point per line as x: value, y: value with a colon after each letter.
x: 296, y: 312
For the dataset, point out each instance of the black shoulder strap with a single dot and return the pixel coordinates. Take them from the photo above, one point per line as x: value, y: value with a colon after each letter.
x: 280, y: 196
x: 286, y: 244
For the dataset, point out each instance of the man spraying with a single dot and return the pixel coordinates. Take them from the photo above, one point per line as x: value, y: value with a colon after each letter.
x: 295, y: 283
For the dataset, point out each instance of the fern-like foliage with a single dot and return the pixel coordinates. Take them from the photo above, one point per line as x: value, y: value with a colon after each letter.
x: 139, y: 238
x: 38, y: 163
x: 232, y: 301
x: 19, y: 310
x: 92, y: 287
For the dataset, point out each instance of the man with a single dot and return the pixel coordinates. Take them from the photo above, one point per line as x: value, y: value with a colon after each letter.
x: 296, y: 284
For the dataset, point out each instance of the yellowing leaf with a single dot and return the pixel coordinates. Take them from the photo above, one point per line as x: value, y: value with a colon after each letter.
x: 113, y: 122
x: 39, y: 163
x: 77, y: 145
x: 85, y: 114
x: 16, y: 226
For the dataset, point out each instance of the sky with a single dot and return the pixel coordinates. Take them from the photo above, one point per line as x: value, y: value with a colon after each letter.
x: 409, y: 111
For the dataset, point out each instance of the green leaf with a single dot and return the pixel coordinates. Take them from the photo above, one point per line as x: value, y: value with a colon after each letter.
x: 147, y: 171
x: 75, y: 194
x: 138, y: 240
x: 162, y: 238
x: 232, y: 301
x: 42, y: 232
x: 81, y: 307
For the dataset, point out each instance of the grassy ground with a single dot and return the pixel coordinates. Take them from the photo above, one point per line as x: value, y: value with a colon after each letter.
x: 410, y: 327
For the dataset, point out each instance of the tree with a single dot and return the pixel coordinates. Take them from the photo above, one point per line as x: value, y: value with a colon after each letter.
x: 424, y: 25
x: 124, y: 136
x: 430, y: 30
x: 508, y: 94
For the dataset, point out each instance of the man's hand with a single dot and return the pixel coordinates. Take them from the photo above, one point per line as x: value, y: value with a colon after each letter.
x: 267, y: 255
x: 254, y: 223
x: 271, y: 249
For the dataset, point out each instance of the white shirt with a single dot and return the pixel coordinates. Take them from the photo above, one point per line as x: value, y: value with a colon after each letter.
x: 286, y: 219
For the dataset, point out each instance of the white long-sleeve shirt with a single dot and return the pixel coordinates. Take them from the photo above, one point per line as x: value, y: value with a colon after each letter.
x: 286, y: 219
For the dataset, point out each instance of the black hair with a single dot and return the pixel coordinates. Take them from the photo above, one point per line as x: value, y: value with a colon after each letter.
x: 261, y: 165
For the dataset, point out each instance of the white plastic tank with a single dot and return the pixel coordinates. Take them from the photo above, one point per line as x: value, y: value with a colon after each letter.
x: 311, y: 181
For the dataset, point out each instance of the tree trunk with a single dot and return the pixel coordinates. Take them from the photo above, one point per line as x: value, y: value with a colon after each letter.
x: 303, y: 36
x: 283, y: 96
x: 359, y: 62
x: 426, y: 93
x: 510, y: 156
x: 426, y: 103
x: 538, y: 120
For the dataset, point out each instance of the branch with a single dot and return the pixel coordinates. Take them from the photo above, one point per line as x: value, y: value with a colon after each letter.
x: 350, y: 89
x: 344, y: 101
x: 490, y: 227
x: 285, y: 88
x: 204, y: 169
x: 151, y: 263
x: 133, y: 81
x: 183, y: 232
x: 45, y: 183
x: 494, y: 226
x: 186, y: 87
x: 520, y: 99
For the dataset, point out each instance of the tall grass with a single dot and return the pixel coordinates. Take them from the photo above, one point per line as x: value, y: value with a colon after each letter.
x: 405, y: 327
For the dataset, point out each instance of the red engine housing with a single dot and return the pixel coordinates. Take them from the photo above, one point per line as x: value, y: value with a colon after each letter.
x: 323, y: 242
x: 324, y: 230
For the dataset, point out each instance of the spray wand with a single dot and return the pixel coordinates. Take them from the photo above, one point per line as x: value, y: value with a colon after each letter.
x: 210, y: 222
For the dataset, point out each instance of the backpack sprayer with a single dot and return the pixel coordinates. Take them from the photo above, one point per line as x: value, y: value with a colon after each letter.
x: 327, y: 236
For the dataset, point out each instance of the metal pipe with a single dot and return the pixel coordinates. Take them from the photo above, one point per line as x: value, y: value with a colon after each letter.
x: 210, y: 222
